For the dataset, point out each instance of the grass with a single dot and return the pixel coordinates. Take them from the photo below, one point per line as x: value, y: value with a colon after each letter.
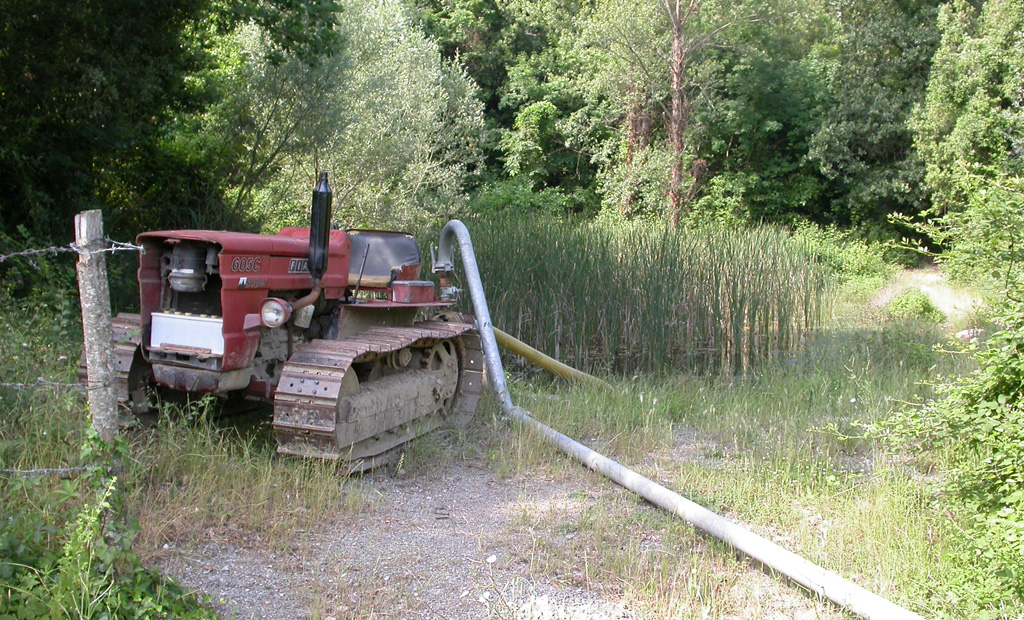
x: 645, y: 299
x: 199, y: 480
x: 191, y: 476
x: 783, y: 452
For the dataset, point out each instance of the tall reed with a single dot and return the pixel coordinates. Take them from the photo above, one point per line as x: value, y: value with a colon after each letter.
x: 644, y: 298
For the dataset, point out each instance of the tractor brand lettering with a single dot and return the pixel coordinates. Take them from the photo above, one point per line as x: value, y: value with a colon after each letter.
x: 241, y: 264
x: 298, y: 265
x: 244, y: 282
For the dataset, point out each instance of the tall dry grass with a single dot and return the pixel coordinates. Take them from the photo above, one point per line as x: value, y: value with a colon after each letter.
x: 644, y: 298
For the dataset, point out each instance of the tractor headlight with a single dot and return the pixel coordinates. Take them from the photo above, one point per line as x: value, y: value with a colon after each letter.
x: 275, y: 312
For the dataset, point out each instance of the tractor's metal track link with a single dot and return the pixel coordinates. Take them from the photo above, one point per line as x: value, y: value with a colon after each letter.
x: 127, y: 333
x: 321, y: 410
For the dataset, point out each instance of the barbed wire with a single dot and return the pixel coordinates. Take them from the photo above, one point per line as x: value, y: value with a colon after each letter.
x: 40, y: 252
x: 114, y: 246
x: 40, y: 382
x: 59, y: 471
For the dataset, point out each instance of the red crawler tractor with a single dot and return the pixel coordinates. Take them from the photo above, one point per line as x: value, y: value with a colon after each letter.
x: 321, y: 322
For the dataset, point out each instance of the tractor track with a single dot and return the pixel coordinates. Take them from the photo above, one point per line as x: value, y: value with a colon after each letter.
x: 315, y: 413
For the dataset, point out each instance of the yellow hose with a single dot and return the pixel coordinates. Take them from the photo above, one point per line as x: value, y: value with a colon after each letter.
x: 549, y: 364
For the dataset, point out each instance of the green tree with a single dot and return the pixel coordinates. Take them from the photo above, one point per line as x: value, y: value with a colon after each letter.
x: 104, y: 102
x: 760, y: 118
x: 972, y: 122
x: 276, y: 107
x: 622, y: 46
x: 666, y: 66
x: 82, y: 84
x: 395, y: 125
x: 756, y: 144
x: 538, y: 136
x: 478, y: 33
x: 970, y: 133
x: 875, y: 74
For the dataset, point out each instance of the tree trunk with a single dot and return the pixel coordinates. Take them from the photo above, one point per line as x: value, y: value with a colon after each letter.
x: 676, y: 122
x: 682, y: 104
x: 697, y: 170
x: 638, y: 123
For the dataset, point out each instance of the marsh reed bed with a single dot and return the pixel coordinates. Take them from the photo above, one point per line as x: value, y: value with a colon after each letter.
x: 638, y: 297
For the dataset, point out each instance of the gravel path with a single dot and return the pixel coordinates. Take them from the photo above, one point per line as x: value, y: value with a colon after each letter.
x: 448, y: 543
x: 435, y: 546
x: 955, y: 303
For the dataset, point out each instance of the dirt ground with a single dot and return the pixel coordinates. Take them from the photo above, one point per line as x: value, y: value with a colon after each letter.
x: 448, y: 543
x: 955, y: 303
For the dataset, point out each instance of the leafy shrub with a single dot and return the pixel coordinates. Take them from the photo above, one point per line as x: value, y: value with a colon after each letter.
x: 724, y: 199
x: 980, y: 423
x: 980, y: 242
x: 85, y: 568
x: 914, y: 304
x: 848, y: 258
x: 636, y: 192
x: 518, y: 196
x: 39, y: 273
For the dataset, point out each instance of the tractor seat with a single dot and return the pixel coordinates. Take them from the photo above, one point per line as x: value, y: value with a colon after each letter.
x: 389, y: 254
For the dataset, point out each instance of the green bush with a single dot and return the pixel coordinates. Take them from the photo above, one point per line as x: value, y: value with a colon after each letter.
x: 914, y: 304
x: 517, y: 196
x: 848, y: 257
x: 66, y: 546
x: 85, y: 568
x: 980, y: 424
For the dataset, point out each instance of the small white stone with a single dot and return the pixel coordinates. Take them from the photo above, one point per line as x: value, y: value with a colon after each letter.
x: 491, y: 559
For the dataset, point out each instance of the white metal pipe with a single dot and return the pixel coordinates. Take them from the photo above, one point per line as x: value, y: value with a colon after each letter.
x: 445, y: 256
x: 840, y: 591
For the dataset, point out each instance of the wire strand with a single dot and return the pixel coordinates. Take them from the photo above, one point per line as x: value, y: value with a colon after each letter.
x: 40, y: 382
x: 60, y: 471
x: 113, y: 246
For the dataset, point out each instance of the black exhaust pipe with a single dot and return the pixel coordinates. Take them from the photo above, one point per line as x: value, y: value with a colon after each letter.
x: 319, y: 229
